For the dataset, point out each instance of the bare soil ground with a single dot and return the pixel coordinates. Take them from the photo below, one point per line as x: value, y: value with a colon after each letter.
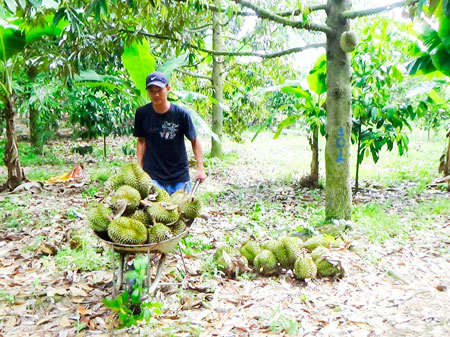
x: 398, y: 288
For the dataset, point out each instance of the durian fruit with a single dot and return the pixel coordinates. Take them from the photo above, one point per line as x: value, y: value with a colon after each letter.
x: 326, y: 269
x: 270, y: 245
x: 136, y: 177
x: 162, y: 214
x: 114, y: 182
x: 143, y: 217
x: 178, y: 196
x: 178, y: 228
x: 288, y: 250
x: 266, y: 263
x: 249, y: 250
x: 315, y: 241
x: 127, y: 231
x: 304, y: 267
x: 219, y: 256
x: 126, y: 194
x: 320, y: 251
x: 158, y: 232
x: 190, y: 208
x: 162, y: 195
x: 99, y: 216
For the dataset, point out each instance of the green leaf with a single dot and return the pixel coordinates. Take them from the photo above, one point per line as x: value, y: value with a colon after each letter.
x: 139, y: 62
x: 168, y: 67
x: 435, y: 97
x: 317, y: 78
x: 12, y: 40
x: 441, y: 60
x: 422, y: 65
x: 91, y: 75
x: 444, y: 31
x: 284, y: 124
x: 12, y: 6
x: 446, y: 6
x: 199, y: 122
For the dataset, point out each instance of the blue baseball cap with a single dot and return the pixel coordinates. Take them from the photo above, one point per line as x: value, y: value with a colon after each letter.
x: 156, y: 78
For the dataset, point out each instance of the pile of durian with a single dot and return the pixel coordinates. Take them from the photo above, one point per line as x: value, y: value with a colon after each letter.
x: 307, y: 260
x: 137, y: 212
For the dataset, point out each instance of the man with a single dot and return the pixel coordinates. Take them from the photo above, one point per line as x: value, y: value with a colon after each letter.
x: 160, y: 127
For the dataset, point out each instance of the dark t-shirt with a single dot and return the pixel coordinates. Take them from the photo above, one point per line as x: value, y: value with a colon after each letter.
x: 165, y: 158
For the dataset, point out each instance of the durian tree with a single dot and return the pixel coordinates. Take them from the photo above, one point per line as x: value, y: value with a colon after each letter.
x: 16, y: 36
x: 434, y: 58
x: 340, y: 41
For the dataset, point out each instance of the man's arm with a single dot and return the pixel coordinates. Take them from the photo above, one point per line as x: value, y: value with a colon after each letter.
x: 140, y: 150
x: 198, y: 154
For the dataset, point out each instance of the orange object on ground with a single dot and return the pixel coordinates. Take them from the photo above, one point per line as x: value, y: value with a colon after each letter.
x: 75, y: 174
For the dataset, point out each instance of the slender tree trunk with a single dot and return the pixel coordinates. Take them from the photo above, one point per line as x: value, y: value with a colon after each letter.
x: 36, y: 139
x: 314, y: 145
x: 338, y: 192
x: 217, y: 83
x: 358, y: 161
x: 36, y: 130
x: 447, y: 163
x: 11, y: 157
x: 104, y: 146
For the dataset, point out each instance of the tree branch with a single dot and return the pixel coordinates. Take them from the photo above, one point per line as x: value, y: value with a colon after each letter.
x: 226, y: 53
x: 264, y: 14
x: 307, y: 9
x: 372, y: 11
x: 193, y: 75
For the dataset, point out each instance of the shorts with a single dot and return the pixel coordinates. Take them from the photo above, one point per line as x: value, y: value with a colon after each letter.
x: 172, y: 188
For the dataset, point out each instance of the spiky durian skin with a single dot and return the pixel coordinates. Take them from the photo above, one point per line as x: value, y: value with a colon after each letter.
x: 326, y: 269
x: 190, y: 208
x: 162, y: 214
x: 128, y: 194
x: 178, y: 197
x: 127, y: 231
x: 143, y: 217
x: 266, y: 263
x: 317, y: 253
x: 114, y: 182
x: 99, y: 217
x: 218, y: 255
x: 270, y: 245
x: 305, y: 268
x: 136, y: 177
x: 315, y: 241
x: 158, y: 232
x: 288, y: 250
x: 162, y: 195
x: 249, y: 250
x: 178, y: 228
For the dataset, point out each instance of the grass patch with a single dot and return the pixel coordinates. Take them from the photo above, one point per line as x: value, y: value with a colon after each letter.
x: 14, y: 214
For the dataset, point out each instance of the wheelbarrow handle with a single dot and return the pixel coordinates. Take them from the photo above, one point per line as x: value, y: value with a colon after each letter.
x: 196, y: 184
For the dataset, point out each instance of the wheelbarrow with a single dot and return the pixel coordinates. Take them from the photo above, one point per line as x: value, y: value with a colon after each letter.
x: 159, y: 248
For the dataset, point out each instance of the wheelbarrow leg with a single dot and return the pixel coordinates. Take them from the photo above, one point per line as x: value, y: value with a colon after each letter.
x: 117, y: 274
x: 182, y: 258
x: 158, y: 275
x: 148, y: 281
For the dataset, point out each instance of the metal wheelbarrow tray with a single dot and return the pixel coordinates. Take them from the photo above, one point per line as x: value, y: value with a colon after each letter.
x: 161, y: 248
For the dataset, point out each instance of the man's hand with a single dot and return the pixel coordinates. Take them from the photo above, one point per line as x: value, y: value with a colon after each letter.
x: 200, y: 174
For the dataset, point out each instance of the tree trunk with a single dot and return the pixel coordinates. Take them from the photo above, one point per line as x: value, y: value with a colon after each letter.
x: 36, y: 130
x: 314, y: 144
x: 36, y: 138
x: 217, y: 83
x: 447, y: 163
x: 339, y: 118
x: 358, y: 156
x: 11, y: 157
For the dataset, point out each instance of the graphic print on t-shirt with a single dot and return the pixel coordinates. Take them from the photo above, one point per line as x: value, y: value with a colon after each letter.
x: 169, y: 130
